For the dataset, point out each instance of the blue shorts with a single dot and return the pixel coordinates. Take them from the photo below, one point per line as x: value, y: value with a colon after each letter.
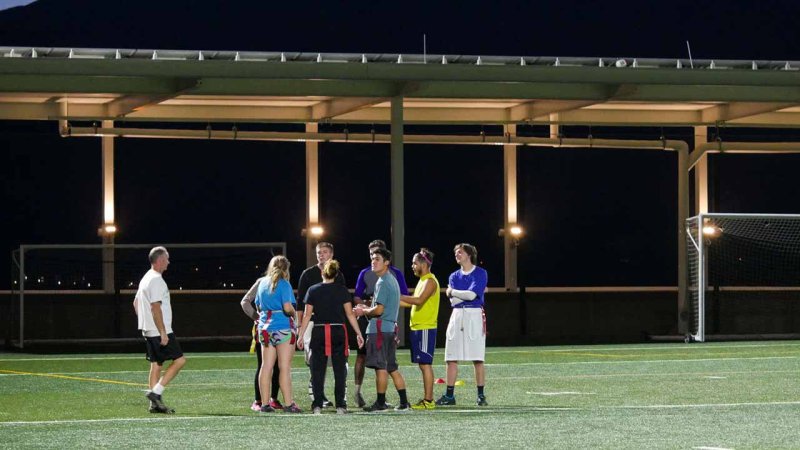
x: 423, y: 343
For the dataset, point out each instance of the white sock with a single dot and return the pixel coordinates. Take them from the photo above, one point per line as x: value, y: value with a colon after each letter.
x: 158, y: 389
x: 358, y: 389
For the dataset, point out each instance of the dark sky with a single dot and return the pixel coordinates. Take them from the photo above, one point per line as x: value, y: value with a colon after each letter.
x: 593, y: 218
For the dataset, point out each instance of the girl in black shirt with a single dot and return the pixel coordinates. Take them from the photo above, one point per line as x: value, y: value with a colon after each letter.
x: 330, y: 305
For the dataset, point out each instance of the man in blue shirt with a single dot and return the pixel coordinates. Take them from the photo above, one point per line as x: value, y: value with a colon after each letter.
x: 381, y: 344
x: 365, y: 290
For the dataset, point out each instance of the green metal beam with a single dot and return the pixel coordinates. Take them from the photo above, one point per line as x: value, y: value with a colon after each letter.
x: 93, y: 84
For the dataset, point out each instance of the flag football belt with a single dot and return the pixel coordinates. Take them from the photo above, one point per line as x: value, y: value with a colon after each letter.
x: 379, y: 334
x: 328, y: 342
x: 269, y: 317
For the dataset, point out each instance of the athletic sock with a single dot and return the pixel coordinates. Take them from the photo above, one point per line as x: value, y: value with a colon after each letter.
x: 382, y: 398
x: 480, y: 391
x: 158, y: 389
x: 358, y: 389
x: 451, y: 391
x: 403, y: 397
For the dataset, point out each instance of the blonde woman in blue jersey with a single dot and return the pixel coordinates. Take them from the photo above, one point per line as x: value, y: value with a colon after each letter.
x: 276, y: 330
x: 424, y: 306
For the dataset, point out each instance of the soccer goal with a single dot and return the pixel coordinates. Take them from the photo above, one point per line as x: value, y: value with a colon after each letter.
x: 744, y: 275
x: 84, y: 292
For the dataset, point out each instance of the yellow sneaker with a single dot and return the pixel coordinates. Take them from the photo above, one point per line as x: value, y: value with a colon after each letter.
x: 423, y: 404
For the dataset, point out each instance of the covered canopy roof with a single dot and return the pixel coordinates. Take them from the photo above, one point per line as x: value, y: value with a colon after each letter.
x: 215, y: 86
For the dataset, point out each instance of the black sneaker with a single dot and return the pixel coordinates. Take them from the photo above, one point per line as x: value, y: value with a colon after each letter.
x: 360, y: 400
x: 326, y: 403
x: 157, y: 405
x: 266, y: 409
x: 482, y: 400
x: 446, y: 400
x: 377, y: 407
x: 403, y: 407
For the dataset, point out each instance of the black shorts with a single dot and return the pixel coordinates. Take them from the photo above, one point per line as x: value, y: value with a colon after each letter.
x: 158, y: 354
x: 353, y: 338
x: 385, y: 357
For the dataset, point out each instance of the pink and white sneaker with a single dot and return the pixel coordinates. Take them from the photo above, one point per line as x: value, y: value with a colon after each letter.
x: 256, y: 406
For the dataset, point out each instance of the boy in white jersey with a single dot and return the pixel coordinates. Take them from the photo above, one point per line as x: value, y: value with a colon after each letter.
x: 466, y: 332
x: 154, y: 312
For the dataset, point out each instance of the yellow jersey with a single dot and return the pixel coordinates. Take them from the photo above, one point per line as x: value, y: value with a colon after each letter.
x: 425, y: 316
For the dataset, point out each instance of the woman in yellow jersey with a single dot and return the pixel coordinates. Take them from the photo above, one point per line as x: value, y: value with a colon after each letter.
x: 424, y: 313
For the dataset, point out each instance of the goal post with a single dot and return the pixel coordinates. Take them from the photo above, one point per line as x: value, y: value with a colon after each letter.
x: 76, y: 274
x: 744, y: 275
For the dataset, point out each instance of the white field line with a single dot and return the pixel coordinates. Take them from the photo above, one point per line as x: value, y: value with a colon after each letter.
x: 652, y: 347
x: 437, y: 412
x: 711, y: 448
x: 644, y: 361
x: 561, y: 393
x: 699, y: 405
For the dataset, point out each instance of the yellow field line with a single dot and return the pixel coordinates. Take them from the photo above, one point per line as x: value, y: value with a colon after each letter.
x: 67, y: 377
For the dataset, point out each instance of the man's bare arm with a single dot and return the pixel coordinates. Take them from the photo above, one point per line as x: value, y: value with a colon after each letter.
x: 427, y: 291
x: 158, y: 318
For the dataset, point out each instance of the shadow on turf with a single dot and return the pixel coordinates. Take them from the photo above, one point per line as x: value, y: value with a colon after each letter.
x: 468, y: 411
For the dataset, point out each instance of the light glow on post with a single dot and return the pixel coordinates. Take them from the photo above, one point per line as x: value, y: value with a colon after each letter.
x: 317, y: 230
x: 710, y: 230
x: 107, y: 229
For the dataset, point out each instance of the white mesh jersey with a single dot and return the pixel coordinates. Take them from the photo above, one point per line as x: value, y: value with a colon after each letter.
x: 153, y: 289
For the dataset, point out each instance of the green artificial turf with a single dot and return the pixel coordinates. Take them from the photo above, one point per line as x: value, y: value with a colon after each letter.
x: 713, y: 395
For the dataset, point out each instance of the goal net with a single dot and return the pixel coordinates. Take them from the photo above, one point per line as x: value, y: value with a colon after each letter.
x: 744, y: 275
x: 84, y: 292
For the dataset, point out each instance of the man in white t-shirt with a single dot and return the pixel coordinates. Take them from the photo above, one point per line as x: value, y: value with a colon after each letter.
x: 154, y: 312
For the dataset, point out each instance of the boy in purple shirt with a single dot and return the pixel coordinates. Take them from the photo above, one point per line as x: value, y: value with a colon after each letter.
x: 466, y: 332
